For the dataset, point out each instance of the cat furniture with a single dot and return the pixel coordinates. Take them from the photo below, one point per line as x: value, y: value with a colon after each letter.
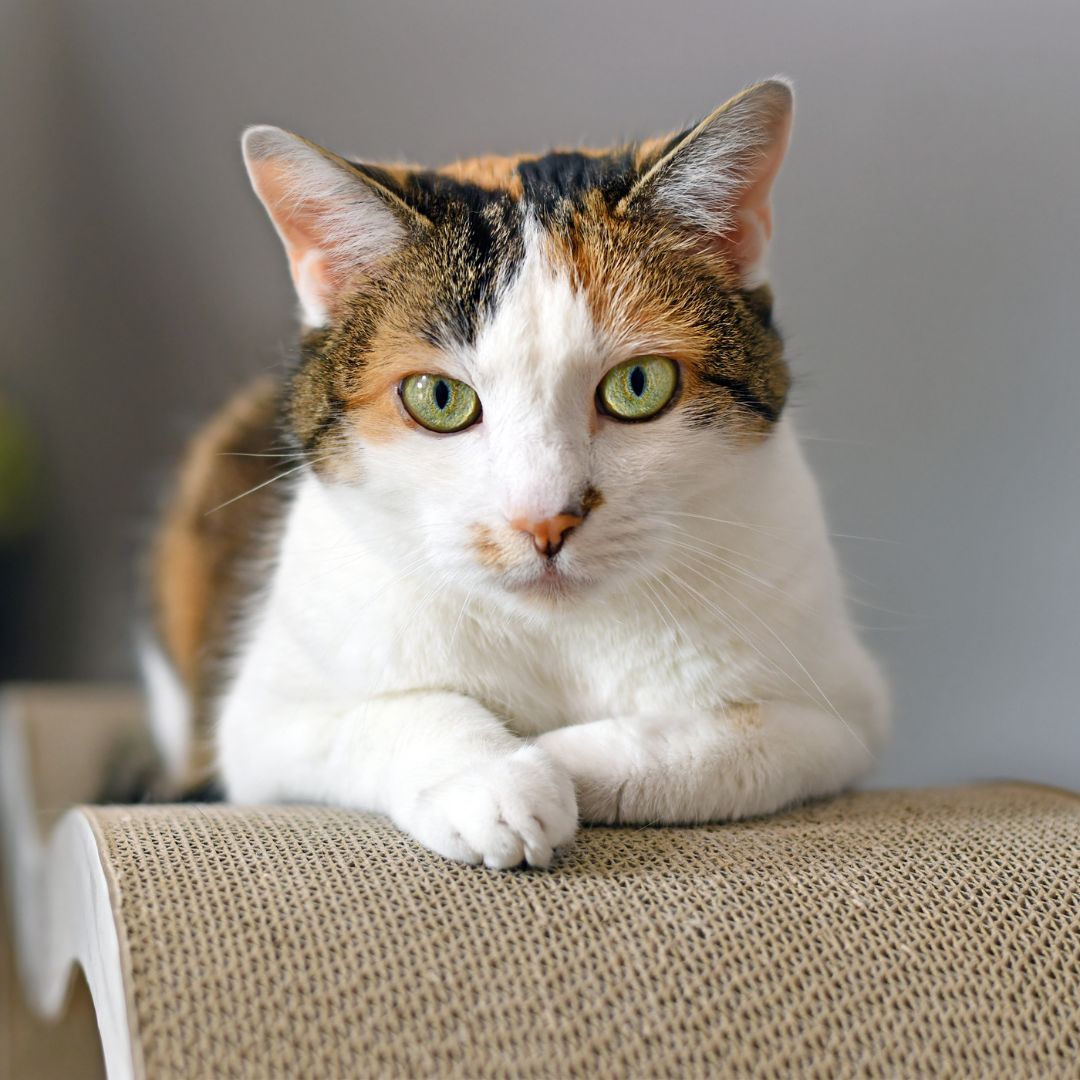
x: 930, y: 932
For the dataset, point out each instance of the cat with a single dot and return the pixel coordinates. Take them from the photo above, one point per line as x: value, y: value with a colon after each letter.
x: 527, y: 537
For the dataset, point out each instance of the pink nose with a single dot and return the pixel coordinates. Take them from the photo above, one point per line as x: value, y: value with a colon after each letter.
x: 548, y: 535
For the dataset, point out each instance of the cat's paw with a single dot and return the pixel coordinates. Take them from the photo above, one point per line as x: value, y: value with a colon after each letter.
x: 501, y: 813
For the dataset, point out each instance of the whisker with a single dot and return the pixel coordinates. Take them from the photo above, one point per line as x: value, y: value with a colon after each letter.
x: 721, y: 560
x: 259, y: 487
x: 721, y: 521
x: 244, y: 453
x: 659, y: 581
x: 780, y: 529
x: 727, y: 620
x: 802, y: 667
x: 749, y: 581
x: 767, y: 564
x: 888, y: 611
x: 461, y: 615
x: 673, y: 625
x: 870, y: 539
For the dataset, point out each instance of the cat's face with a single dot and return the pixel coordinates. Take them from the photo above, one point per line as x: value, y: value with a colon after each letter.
x: 518, y: 370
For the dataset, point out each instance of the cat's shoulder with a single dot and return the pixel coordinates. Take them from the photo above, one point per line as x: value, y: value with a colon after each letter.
x: 220, y: 502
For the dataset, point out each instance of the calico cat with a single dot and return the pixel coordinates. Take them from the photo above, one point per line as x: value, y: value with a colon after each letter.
x: 543, y: 546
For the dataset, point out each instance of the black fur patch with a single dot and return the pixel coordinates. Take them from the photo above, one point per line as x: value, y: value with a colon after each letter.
x: 566, y: 176
x: 760, y: 303
x: 748, y: 365
x: 476, y: 246
x: 437, y: 197
x: 315, y: 404
x: 476, y: 252
x: 745, y: 395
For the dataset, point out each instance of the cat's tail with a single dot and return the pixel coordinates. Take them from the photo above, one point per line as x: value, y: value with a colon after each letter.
x: 154, y: 765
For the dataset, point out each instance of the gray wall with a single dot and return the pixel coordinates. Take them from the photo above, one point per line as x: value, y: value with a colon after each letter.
x: 926, y: 264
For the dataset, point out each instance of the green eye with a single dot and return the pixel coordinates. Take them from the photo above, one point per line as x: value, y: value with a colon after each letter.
x: 439, y: 403
x: 638, y: 388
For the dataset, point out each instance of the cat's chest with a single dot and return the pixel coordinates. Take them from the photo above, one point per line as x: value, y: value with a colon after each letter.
x: 571, y: 669
x: 538, y: 674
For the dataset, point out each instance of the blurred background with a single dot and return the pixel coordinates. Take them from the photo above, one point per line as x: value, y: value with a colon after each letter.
x: 926, y: 266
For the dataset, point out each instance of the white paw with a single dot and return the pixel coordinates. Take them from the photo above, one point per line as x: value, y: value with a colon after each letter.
x: 500, y: 813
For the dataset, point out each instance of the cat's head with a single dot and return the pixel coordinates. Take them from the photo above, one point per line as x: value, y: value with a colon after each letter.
x: 515, y: 370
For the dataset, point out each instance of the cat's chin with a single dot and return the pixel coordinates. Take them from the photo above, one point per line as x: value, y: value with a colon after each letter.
x: 546, y: 589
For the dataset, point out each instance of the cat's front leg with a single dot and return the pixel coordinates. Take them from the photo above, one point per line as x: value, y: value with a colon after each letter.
x: 736, y: 762
x: 440, y: 765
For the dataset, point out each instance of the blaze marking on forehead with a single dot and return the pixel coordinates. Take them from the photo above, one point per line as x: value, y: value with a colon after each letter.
x: 541, y: 326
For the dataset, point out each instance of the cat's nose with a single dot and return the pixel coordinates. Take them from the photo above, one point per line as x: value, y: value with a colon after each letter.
x: 548, y: 535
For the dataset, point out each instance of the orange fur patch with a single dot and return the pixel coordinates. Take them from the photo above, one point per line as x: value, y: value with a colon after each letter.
x: 493, y: 172
x: 196, y: 581
x: 489, y: 552
x: 743, y: 716
x: 644, y: 286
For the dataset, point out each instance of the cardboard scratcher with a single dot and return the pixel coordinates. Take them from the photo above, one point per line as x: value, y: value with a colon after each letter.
x: 898, y: 933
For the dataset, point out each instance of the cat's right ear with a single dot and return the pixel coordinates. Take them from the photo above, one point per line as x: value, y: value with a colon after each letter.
x: 336, y: 223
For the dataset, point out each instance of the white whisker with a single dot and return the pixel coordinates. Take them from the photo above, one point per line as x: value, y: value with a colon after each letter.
x: 461, y: 615
x: 720, y: 521
x: 674, y: 623
x: 802, y: 667
x: 869, y: 539
x: 704, y: 552
x: 265, y: 483
x: 240, y: 453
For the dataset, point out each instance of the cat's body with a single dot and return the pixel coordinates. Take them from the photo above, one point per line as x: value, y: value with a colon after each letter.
x: 568, y: 605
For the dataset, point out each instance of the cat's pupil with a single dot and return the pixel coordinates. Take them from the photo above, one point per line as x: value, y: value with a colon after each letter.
x: 442, y: 393
x: 637, y: 381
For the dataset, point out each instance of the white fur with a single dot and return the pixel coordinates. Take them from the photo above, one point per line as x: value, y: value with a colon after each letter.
x: 387, y: 669
x: 170, y: 715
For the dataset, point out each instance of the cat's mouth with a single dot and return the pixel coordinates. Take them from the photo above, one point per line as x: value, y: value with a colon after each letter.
x: 549, y: 582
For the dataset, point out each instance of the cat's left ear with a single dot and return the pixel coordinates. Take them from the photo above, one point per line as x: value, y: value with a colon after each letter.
x: 715, y: 180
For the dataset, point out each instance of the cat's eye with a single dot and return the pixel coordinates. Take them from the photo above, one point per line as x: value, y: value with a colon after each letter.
x: 639, y: 388
x: 440, y: 403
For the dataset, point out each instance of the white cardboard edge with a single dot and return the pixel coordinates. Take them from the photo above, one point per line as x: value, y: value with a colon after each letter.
x: 61, y: 909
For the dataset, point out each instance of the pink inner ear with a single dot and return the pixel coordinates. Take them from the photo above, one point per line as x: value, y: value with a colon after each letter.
x: 302, y: 226
x: 746, y: 241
